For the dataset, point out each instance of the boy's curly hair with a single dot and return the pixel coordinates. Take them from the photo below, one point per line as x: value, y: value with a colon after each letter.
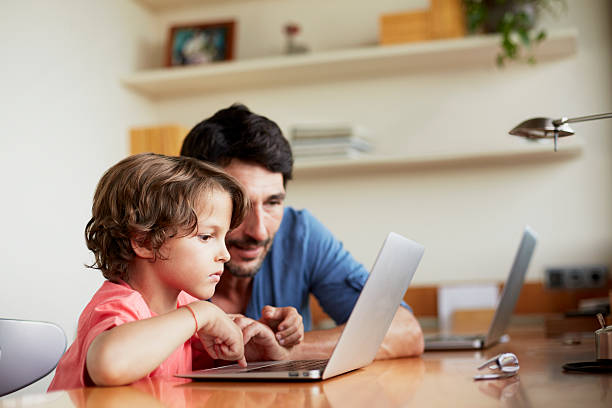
x: 150, y: 198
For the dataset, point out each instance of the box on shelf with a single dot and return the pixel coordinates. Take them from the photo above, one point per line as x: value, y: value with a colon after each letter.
x: 444, y: 19
x: 448, y: 19
x: 164, y: 139
x: 405, y: 27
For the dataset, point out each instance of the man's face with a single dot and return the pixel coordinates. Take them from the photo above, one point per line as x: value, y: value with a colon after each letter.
x: 250, y: 242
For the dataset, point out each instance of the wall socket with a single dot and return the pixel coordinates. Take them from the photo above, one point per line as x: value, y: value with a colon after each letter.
x: 576, y: 277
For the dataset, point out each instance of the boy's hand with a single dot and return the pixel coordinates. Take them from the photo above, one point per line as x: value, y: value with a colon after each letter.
x: 286, y: 322
x: 259, y: 341
x: 220, y: 336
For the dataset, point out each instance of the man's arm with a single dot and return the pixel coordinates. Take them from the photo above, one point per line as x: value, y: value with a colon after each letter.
x: 404, y: 339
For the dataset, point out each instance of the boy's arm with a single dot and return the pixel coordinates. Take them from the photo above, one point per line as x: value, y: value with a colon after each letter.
x: 260, y: 342
x: 403, y: 339
x: 129, y: 352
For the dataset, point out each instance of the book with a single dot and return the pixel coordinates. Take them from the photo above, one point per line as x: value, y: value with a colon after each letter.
x: 329, y: 155
x: 329, y: 140
x: 358, y: 143
x: 328, y: 151
x: 326, y: 130
x: 332, y: 146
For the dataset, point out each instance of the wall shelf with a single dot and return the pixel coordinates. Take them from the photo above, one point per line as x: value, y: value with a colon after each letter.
x: 521, y: 153
x: 161, y: 5
x: 371, y: 62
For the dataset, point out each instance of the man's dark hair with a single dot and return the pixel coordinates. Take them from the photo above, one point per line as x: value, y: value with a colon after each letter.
x: 238, y: 133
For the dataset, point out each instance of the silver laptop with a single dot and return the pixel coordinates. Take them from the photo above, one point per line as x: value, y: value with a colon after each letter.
x: 504, y: 309
x: 365, y: 329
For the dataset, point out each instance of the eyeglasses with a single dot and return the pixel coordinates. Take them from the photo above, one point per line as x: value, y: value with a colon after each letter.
x: 504, y: 365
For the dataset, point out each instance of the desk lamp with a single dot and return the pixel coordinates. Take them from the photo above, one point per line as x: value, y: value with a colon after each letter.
x: 540, y: 128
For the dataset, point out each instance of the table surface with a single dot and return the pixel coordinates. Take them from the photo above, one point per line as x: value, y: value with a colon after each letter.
x: 435, y: 379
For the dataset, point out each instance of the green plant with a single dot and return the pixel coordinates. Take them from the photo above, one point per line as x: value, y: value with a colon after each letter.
x: 515, y: 20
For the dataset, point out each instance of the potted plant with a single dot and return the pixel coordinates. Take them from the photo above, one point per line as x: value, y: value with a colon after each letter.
x: 515, y: 20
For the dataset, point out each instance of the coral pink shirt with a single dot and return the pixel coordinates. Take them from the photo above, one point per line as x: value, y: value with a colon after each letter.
x: 112, y: 305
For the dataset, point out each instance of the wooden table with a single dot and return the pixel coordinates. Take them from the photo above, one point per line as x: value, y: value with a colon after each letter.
x: 436, y: 379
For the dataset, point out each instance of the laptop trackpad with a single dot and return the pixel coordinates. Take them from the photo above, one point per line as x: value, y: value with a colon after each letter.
x: 235, y: 368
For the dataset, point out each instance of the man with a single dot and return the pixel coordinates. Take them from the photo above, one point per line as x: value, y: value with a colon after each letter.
x: 280, y: 255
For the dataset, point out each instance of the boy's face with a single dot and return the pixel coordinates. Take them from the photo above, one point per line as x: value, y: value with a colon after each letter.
x: 194, y: 263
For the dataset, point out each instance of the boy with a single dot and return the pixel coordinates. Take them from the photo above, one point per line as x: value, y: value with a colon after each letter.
x: 158, y: 232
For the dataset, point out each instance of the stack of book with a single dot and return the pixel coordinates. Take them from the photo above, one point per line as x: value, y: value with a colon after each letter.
x: 329, y: 141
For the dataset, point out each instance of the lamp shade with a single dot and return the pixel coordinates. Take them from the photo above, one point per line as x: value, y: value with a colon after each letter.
x: 539, y: 128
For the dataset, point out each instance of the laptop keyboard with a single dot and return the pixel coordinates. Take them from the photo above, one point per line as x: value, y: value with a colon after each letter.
x: 295, y: 365
x: 451, y: 337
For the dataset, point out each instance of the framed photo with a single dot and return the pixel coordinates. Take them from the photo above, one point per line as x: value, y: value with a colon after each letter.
x: 200, y: 43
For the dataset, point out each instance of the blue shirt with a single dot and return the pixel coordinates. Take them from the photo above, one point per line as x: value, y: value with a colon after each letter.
x: 306, y: 258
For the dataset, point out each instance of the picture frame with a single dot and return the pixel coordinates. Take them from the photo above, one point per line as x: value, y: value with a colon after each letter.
x: 200, y: 43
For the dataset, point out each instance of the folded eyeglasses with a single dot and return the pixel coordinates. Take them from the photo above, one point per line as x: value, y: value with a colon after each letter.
x: 503, y: 365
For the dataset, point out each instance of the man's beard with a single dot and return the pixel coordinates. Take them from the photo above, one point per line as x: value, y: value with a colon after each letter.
x: 247, y: 272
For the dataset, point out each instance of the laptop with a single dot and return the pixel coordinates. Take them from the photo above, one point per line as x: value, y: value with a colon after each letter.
x: 504, y: 309
x: 363, y: 333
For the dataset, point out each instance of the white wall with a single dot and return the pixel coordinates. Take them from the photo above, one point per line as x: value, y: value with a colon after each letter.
x: 65, y: 119
x: 470, y: 217
x: 63, y: 122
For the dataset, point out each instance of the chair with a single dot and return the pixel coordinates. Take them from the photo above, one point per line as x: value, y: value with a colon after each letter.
x: 29, y: 350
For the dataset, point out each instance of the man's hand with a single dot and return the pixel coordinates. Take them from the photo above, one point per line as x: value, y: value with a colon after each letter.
x: 259, y: 341
x: 286, y: 323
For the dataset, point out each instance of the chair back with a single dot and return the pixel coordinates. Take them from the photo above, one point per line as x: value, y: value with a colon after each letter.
x: 29, y: 350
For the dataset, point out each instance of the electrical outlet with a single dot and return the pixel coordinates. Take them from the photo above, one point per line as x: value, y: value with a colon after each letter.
x: 596, y: 276
x: 576, y: 277
x: 554, y: 278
